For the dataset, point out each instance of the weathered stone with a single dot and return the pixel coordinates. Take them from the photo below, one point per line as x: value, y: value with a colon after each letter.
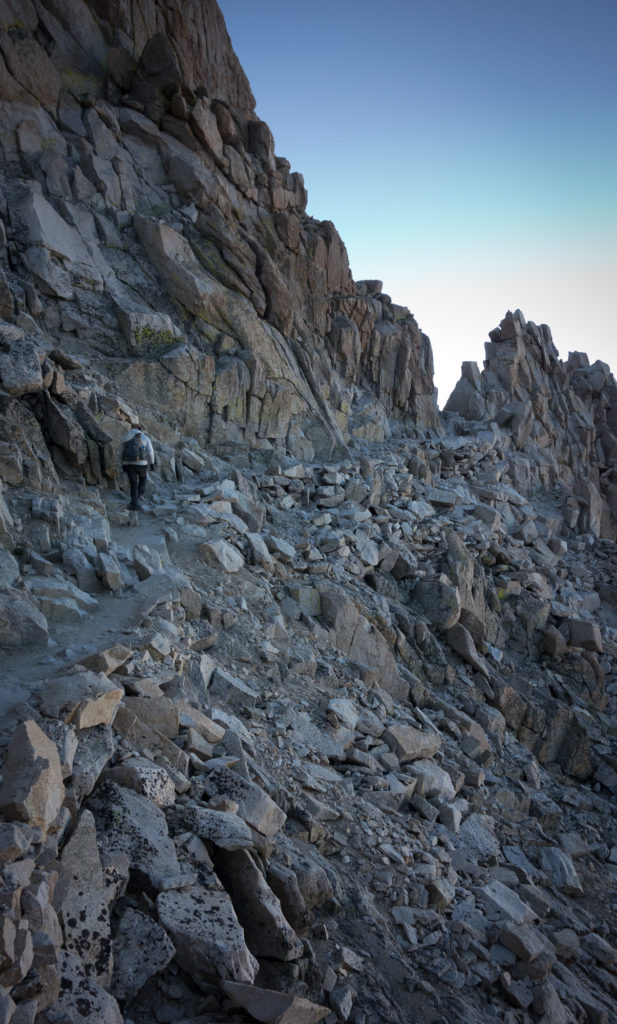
x: 268, y: 933
x: 582, y: 633
x: 502, y: 901
x: 108, y: 571
x: 227, y: 831
x: 83, y: 699
x: 231, y: 689
x: 21, y: 622
x: 146, y: 778
x: 559, y: 868
x: 32, y: 789
x: 129, y: 823
x: 141, y: 949
x: 208, y: 939
x: 107, y: 661
x: 438, y: 600
x: 150, y: 742
x: 274, y: 1007
x: 410, y: 744
x: 159, y: 713
x: 254, y: 805
x: 432, y: 781
x: 20, y: 369
x: 461, y: 641
x: 222, y: 556
x: 81, y: 998
x: 81, y: 902
x: 523, y: 940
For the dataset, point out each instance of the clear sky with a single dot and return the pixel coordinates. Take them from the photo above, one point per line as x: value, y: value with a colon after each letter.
x: 466, y: 151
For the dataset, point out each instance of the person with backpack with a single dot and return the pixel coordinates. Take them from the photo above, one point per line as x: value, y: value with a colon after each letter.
x: 137, y: 455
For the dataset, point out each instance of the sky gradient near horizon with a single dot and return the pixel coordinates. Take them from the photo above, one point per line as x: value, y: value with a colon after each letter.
x: 466, y: 153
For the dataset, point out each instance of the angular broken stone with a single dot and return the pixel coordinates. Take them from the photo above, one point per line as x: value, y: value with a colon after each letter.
x: 267, y: 932
x: 207, y: 936
x: 141, y: 948
x: 146, y: 778
x: 227, y: 831
x: 222, y: 556
x: 433, y: 781
x: 410, y: 744
x: 128, y: 823
x: 254, y: 805
x: 272, y: 1007
x: 438, y: 600
x: 84, y: 699
x: 159, y: 713
x: 81, y: 998
x: 21, y: 622
x: 32, y: 789
x: 107, y: 661
x: 558, y: 867
x: 108, y: 570
x: 503, y: 901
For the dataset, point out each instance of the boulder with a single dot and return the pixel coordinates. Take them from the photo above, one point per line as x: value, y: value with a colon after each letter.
x: 141, y: 949
x: 254, y: 805
x: 80, y: 900
x: 21, y: 622
x: 32, y: 789
x: 84, y: 699
x: 272, y: 1007
x: 221, y: 555
x: 130, y: 824
x: 410, y: 744
x: 207, y: 936
x: 267, y: 932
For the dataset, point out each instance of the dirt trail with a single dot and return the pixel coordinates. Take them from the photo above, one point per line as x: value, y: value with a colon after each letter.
x: 25, y: 670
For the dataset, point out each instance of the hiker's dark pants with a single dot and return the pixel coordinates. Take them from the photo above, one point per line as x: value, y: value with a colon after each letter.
x: 137, y: 479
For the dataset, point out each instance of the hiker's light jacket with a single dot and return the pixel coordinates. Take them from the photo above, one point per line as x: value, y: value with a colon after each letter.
x: 149, y: 460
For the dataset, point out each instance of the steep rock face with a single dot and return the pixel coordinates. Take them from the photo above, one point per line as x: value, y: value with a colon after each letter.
x: 561, y: 418
x: 149, y: 225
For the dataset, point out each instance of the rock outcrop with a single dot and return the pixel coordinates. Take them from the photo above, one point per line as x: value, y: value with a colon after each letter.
x: 327, y: 730
x: 558, y: 419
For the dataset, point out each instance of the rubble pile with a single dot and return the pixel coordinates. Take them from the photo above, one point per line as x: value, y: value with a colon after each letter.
x: 349, y: 756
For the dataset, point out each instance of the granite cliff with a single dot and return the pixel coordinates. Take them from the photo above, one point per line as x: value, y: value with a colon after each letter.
x: 327, y: 730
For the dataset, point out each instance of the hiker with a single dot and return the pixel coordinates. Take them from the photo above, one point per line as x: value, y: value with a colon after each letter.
x: 137, y: 455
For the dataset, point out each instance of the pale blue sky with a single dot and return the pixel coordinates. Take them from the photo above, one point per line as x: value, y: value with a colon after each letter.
x: 465, y: 151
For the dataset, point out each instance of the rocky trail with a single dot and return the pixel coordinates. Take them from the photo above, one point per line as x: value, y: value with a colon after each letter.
x: 328, y: 731
x: 234, y: 728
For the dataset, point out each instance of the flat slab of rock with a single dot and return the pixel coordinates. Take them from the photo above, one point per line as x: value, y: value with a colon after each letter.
x: 84, y: 699
x: 222, y: 555
x: 207, y: 935
x: 410, y: 744
x: 255, y: 806
x: 32, y: 789
x: 227, y: 831
x: 270, y: 1007
x: 503, y: 902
